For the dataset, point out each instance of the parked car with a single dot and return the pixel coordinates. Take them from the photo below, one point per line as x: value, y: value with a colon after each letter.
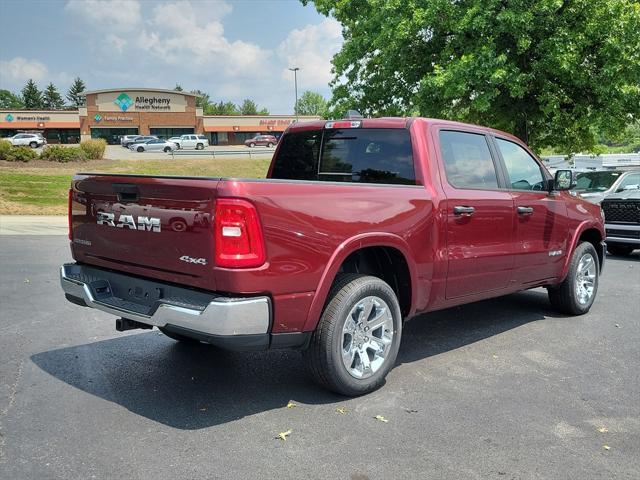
x: 154, y: 145
x: 622, y: 221
x: 359, y: 226
x: 174, y: 140
x: 261, y: 140
x: 198, y: 142
x: 126, y: 140
x: 594, y: 186
x: 139, y: 139
x: 33, y: 140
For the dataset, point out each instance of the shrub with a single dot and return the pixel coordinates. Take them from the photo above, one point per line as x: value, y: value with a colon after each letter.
x: 94, y: 149
x: 5, y: 149
x: 16, y: 154
x: 58, y: 153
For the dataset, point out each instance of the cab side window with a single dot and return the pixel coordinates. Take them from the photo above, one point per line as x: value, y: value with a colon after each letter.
x: 630, y: 182
x: 467, y: 160
x: 524, y: 172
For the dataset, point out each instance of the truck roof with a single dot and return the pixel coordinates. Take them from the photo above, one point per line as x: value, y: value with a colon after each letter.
x: 400, y: 122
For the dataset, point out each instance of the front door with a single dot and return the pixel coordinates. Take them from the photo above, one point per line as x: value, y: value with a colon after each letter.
x: 542, y: 224
x: 479, y: 216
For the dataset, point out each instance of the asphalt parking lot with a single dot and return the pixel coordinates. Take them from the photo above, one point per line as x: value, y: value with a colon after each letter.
x: 503, y: 389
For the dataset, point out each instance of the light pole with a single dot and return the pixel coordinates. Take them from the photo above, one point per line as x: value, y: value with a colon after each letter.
x: 295, y: 82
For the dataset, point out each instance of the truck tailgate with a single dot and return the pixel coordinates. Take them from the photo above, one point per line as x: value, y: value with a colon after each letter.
x: 160, y: 227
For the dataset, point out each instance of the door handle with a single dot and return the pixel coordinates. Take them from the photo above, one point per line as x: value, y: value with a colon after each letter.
x: 463, y: 210
x: 525, y: 210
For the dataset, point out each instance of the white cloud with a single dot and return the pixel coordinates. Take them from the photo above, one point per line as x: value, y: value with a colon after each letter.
x: 116, y: 42
x: 311, y: 49
x: 112, y: 15
x: 179, y: 35
x: 20, y: 69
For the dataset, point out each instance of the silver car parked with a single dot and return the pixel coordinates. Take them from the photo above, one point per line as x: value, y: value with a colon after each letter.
x: 153, y: 145
x: 595, y: 186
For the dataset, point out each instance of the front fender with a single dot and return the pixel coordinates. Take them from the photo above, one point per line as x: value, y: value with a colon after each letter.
x: 582, y: 227
x: 346, y: 248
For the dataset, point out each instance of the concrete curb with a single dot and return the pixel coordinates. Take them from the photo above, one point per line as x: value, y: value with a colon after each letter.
x: 33, y: 225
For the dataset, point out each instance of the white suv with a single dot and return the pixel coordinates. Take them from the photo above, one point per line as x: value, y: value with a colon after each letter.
x: 32, y: 140
x: 198, y: 142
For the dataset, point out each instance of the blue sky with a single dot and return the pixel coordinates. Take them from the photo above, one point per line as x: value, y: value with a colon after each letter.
x: 232, y: 49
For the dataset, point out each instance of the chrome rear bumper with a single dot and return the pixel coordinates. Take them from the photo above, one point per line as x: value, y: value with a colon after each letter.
x: 165, y: 305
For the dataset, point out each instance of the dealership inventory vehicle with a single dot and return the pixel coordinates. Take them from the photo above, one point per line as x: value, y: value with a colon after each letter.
x: 261, y: 140
x: 622, y: 221
x: 33, y: 140
x: 154, y: 145
x: 199, y: 142
x: 360, y: 225
x: 595, y: 186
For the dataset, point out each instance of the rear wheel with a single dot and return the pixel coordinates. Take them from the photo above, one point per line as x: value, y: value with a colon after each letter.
x: 167, y: 149
x: 575, y: 295
x: 356, y: 342
x: 252, y: 145
x: 199, y: 146
x: 140, y: 149
x: 177, y: 337
x: 270, y: 145
x: 33, y: 145
x: 621, y: 250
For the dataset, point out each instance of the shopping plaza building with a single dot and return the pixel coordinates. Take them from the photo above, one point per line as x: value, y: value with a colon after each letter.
x: 111, y: 113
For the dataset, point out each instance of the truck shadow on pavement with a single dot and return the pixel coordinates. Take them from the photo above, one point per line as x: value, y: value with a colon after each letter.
x: 197, y: 386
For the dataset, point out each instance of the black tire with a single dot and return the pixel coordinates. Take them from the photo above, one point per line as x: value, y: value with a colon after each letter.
x: 199, y: 146
x: 270, y: 145
x: 251, y: 145
x: 140, y: 149
x: 167, y: 149
x: 177, y: 337
x: 619, y: 250
x: 323, y: 357
x: 33, y: 145
x: 564, y: 297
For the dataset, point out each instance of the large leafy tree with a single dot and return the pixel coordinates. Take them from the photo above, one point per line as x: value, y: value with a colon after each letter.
x: 554, y: 72
x: 51, y: 98
x: 248, y: 107
x: 222, y: 108
x: 74, y: 94
x: 202, y: 100
x: 32, y: 96
x: 10, y: 101
x: 312, y: 103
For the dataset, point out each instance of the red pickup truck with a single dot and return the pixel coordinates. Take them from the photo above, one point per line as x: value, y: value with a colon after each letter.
x: 360, y: 225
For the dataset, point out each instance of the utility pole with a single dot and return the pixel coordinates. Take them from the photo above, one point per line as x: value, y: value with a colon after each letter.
x: 295, y: 82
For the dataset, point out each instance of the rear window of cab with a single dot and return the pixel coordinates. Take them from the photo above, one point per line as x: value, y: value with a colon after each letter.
x: 356, y: 155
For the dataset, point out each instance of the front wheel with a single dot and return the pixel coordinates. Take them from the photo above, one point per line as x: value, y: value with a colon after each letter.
x: 251, y: 145
x: 356, y: 342
x: 575, y: 295
x: 167, y: 149
x: 199, y: 146
x: 270, y: 145
x: 619, y: 250
x: 33, y: 145
x: 140, y: 149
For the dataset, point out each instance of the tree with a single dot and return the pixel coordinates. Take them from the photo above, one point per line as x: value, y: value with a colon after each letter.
x: 222, y: 108
x: 178, y: 88
x: 312, y: 103
x: 248, y: 107
x: 74, y: 94
x: 31, y: 96
x: 202, y: 100
x: 10, y: 101
x: 554, y: 72
x: 51, y: 98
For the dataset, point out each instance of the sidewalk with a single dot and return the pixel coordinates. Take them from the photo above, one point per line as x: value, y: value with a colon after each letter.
x: 33, y: 225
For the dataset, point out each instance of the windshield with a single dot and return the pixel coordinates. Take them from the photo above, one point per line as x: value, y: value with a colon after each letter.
x: 596, y: 181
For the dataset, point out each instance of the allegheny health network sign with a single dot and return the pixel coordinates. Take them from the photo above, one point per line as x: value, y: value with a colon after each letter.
x: 131, y: 101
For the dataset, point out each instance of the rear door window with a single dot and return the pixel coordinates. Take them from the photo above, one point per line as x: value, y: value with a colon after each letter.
x: 467, y: 160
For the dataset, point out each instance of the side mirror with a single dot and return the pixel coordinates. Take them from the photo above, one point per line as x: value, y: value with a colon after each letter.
x: 564, y: 180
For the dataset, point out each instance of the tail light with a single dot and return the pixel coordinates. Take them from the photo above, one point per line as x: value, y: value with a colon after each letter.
x: 343, y: 124
x: 238, y: 235
x: 70, y: 214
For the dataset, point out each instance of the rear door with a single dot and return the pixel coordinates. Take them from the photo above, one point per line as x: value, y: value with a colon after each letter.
x: 479, y: 215
x: 541, y: 217
x: 158, y: 227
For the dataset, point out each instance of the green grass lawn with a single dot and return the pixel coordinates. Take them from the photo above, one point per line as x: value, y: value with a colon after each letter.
x: 40, y: 188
